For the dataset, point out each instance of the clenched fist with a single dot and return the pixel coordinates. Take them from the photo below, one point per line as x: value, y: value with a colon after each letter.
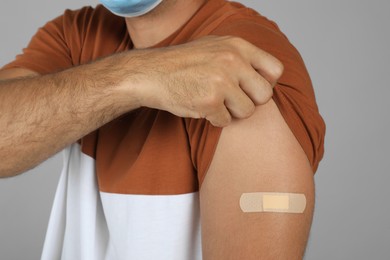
x: 216, y: 78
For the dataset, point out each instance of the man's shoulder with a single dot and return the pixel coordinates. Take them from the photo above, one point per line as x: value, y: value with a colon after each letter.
x: 250, y: 25
x: 225, y: 18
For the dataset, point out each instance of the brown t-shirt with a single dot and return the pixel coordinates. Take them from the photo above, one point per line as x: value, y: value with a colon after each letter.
x: 148, y: 151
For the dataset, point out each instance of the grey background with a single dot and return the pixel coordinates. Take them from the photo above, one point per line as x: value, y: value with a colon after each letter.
x: 346, y: 48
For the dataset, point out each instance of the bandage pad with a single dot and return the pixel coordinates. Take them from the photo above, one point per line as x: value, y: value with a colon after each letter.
x: 273, y: 202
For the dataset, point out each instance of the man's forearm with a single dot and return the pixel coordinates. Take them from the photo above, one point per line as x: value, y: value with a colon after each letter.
x: 43, y: 114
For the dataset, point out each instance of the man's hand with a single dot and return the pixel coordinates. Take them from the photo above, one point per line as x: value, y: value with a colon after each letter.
x: 216, y: 78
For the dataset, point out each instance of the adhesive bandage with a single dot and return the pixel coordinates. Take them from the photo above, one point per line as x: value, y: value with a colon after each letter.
x: 273, y: 202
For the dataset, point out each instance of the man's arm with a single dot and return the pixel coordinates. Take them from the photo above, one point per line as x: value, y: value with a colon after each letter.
x: 259, y: 154
x: 214, y: 78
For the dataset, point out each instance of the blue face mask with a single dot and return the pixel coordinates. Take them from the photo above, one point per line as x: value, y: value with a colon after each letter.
x: 130, y: 8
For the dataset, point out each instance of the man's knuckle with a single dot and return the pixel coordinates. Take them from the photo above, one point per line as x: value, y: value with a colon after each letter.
x: 266, y: 94
x: 248, y: 111
x: 216, y: 81
x: 277, y: 70
x: 227, y: 57
x: 211, y: 101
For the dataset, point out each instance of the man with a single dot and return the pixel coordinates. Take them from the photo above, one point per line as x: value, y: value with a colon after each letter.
x: 152, y: 165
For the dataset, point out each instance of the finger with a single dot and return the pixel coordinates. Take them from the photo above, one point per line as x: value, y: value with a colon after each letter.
x: 220, y: 118
x: 264, y: 63
x: 255, y: 86
x: 238, y: 103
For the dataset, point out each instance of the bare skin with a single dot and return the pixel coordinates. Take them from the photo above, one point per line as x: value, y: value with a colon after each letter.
x: 40, y: 115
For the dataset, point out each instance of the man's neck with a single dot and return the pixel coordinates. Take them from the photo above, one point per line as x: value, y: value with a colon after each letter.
x: 165, y: 19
